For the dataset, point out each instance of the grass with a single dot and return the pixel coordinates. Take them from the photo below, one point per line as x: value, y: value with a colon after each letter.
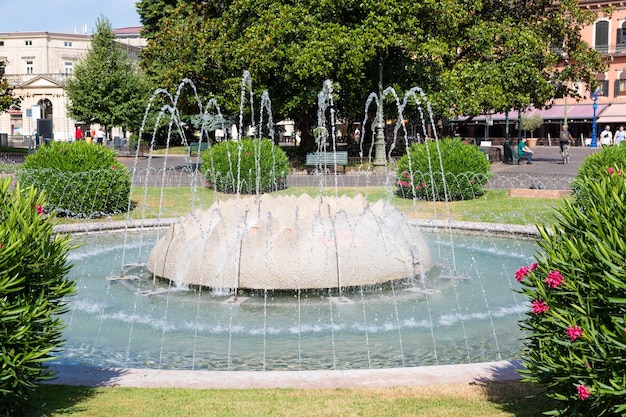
x: 495, y: 206
x: 509, y: 398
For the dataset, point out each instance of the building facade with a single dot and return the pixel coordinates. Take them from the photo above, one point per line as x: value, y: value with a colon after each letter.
x: 37, y: 66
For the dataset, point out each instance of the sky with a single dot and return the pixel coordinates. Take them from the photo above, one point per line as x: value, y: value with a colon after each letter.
x: 65, y: 16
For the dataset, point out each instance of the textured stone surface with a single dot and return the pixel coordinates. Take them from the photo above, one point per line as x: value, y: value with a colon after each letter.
x: 289, y: 242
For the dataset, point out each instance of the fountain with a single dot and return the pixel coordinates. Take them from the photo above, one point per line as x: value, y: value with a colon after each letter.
x: 292, y: 283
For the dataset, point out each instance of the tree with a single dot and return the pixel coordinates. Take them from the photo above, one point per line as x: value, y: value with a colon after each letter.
x: 7, y: 99
x: 470, y: 57
x: 106, y: 87
x: 531, y: 123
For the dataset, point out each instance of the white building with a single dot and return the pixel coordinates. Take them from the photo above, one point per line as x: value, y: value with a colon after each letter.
x: 37, y: 66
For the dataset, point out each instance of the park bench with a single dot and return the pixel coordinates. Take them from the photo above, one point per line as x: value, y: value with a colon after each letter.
x: 514, y: 155
x: 326, y: 160
x: 197, y: 147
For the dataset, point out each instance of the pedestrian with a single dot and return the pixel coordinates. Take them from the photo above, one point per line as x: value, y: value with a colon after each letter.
x: 101, y: 135
x: 620, y: 136
x: 298, y: 137
x: 357, y: 135
x: 78, y: 135
x: 606, y: 137
x: 524, y: 151
x: 565, y: 138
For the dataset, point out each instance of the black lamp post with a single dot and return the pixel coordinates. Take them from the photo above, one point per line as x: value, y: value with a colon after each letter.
x: 594, y: 125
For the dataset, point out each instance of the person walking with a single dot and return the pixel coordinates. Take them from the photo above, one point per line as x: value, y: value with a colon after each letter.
x: 101, y: 135
x: 565, y: 138
x: 620, y: 136
x: 606, y: 137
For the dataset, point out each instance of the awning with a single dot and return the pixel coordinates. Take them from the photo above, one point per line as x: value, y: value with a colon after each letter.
x: 615, y: 113
x: 555, y: 113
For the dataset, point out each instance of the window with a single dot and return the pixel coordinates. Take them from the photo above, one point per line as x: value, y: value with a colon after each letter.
x: 1, y: 43
x: 602, y: 37
x: 29, y: 67
x: 603, y: 88
x: 620, y: 41
x: 620, y: 85
x: 69, y: 68
x: 67, y: 44
x: 28, y: 43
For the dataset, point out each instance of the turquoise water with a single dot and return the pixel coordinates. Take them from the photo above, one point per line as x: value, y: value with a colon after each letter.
x: 471, y: 318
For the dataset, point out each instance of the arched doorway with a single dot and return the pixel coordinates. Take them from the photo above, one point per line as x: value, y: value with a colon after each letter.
x: 45, y: 107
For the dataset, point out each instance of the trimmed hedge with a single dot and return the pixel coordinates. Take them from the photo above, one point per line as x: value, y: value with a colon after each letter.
x: 248, y: 166
x: 79, y: 179
x: 33, y: 287
x: 442, y: 170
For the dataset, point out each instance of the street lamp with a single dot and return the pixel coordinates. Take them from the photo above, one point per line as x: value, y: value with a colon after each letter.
x: 594, y: 125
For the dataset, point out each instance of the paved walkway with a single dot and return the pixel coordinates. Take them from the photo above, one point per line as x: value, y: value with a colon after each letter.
x: 547, y: 171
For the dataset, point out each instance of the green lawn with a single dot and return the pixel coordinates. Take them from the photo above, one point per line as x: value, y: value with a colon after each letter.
x: 458, y: 400
x: 496, y: 206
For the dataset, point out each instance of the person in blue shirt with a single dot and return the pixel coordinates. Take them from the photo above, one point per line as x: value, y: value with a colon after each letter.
x: 524, y: 151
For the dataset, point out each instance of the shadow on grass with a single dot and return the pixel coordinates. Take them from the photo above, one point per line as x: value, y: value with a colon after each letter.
x: 506, y: 389
x: 71, y: 386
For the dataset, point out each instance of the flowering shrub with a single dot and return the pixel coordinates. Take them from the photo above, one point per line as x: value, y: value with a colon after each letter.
x: 594, y: 167
x: 249, y: 166
x: 443, y: 170
x: 79, y: 179
x: 575, y: 330
x: 33, y: 291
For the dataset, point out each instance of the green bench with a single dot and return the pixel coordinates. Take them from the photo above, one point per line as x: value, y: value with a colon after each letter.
x: 197, y: 147
x: 326, y: 160
x: 516, y: 157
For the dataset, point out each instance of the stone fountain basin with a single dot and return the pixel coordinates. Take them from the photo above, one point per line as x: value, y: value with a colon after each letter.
x: 290, y: 243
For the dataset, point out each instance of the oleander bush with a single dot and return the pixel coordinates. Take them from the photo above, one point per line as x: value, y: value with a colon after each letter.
x: 33, y: 291
x: 79, y: 179
x: 442, y: 170
x: 248, y: 166
x: 575, y: 329
x: 594, y: 167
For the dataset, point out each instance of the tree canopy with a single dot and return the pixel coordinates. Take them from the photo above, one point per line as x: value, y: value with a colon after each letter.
x: 106, y: 87
x: 469, y: 56
x: 7, y: 99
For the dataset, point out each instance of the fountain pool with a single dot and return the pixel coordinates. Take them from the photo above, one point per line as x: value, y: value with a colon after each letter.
x: 439, y: 319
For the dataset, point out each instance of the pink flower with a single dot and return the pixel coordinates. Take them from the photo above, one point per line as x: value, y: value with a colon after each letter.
x: 0, y: 245
x: 521, y: 273
x: 539, y: 306
x: 533, y: 266
x: 583, y: 392
x: 554, y: 279
x: 417, y: 187
x: 407, y: 176
x: 574, y: 332
x: 423, y: 184
x: 247, y: 153
x: 403, y: 183
x: 39, y: 209
x: 113, y: 167
x: 611, y: 170
x: 473, y: 181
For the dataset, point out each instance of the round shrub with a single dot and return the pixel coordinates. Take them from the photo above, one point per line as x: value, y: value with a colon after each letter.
x: 443, y: 170
x: 248, y: 166
x: 593, y: 167
x: 33, y: 291
x: 575, y: 330
x: 79, y: 179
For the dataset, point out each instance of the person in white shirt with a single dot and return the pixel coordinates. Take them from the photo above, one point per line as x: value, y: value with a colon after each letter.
x: 606, y: 137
